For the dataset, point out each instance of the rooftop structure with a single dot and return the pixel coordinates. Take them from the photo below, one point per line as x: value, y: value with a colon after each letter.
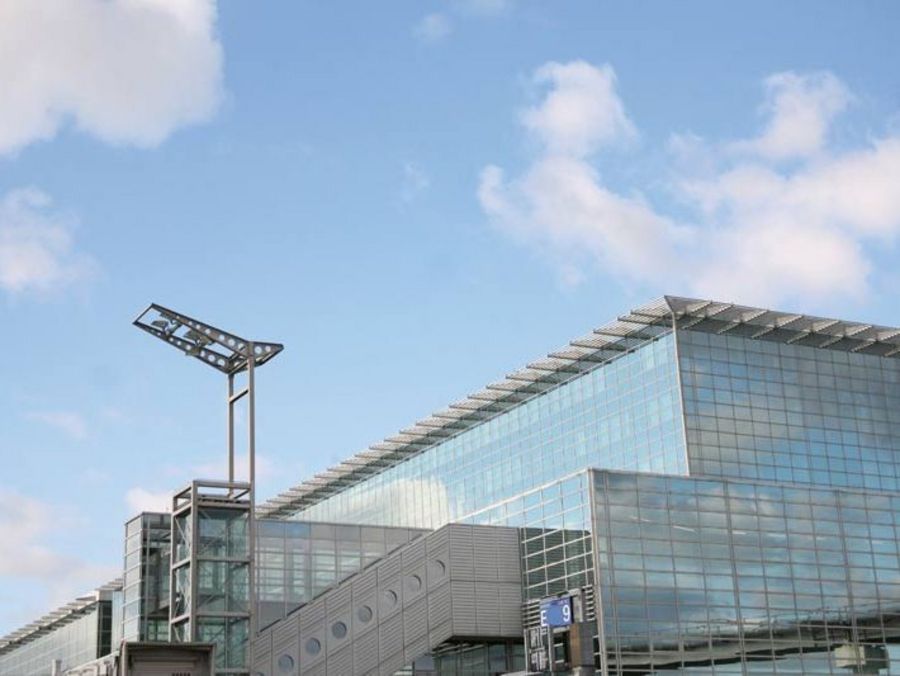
x: 706, y: 488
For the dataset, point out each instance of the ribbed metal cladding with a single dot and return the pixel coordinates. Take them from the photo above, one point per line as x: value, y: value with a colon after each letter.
x: 461, y: 581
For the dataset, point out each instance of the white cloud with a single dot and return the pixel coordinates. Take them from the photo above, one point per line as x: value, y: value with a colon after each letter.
x: 800, y: 109
x: 485, y: 7
x: 561, y: 206
x: 807, y: 233
x: 126, y: 71
x: 25, y: 526
x: 433, y: 28
x: 581, y: 111
x: 415, y: 181
x: 68, y: 422
x: 37, y: 248
x: 141, y: 500
x: 747, y: 228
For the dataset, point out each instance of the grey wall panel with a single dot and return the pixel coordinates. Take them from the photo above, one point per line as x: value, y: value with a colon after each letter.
x: 510, y: 608
x: 262, y: 653
x: 312, y: 616
x: 390, y: 635
x: 461, y: 554
x: 452, y: 582
x: 339, y: 597
x: 415, y: 649
x: 392, y: 664
x: 462, y: 600
x: 390, y: 597
x: 415, y: 620
x: 341, y: 661
x: 414, y: 552
x: 414, y: 587
x: 484, y: 555
x: 439, y: 607
x: 364, y: 606
x: 438, y: 633
x: 390, y: 565
x: 285, y: 630
x: 309, y: 661
x: 365, y: 652
x: 367, y: 580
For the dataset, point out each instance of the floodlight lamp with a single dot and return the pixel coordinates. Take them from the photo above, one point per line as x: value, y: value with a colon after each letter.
x: 220, y: 349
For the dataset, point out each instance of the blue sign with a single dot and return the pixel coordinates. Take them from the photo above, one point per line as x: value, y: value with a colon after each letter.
x: 556, y: 612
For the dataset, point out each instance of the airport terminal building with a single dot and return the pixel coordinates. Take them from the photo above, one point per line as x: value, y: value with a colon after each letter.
x: 695, y: 488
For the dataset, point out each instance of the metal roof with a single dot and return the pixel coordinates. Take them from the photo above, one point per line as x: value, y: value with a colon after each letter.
x: 58, y: 617
x: 628, y: 332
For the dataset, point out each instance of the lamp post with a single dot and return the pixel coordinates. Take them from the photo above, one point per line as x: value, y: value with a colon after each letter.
x: 231, y: 355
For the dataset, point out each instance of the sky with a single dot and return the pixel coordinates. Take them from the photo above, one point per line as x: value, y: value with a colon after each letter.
x: 416, y: 197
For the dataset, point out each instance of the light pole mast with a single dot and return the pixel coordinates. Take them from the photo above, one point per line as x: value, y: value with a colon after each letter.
x: 205, y: 501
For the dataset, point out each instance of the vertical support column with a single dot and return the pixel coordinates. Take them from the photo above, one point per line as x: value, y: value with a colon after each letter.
x: 230, y: 427
x: 251, y: 454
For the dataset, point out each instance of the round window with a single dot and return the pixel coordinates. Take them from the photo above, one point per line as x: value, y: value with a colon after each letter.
x: 438, y: 569
x: 364, y: 614
x: 339, y: 630
x: 313, y: 646
x: 285, y: 664
x: 390, y: 597
x: 414, y: 583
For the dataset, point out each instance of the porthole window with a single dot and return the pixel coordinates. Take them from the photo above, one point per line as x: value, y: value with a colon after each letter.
x: 438, y: 569
x: 390, y: 598
x: 339, y: 630
x: 414, y: 583
x: 313, y: 646
x: 364, y: 614
x: 286, y: 664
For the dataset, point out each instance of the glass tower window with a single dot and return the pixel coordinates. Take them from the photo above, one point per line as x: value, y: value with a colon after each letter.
x: 757, y: 409
x: 625, y: 414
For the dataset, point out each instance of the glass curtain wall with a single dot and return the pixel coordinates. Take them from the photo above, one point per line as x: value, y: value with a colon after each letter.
x: 298, y: 561
x: 555, y: 528
x: 702, y: 576
x: 625, y: 414
x: 757, y: 409
x: 146, y: 580
x: 222, y: 604
x: 80, y: 640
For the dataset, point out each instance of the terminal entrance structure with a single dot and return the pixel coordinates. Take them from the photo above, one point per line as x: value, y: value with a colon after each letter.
x: 708, y: 488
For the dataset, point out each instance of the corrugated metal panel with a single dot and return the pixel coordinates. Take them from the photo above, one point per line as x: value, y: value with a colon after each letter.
x: 340, y: 662
x: 415, y: 620
x: 365, y: 651
x: 390, y: 635
x: 447, y: 599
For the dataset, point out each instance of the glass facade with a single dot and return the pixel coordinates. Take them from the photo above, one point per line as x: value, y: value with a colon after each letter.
x: 727, y: 504
x: 625, y: 414
x: 298, y: 561
x: 555, y: 526
x: 79, y: 640
x: 705, y: 576
x: 145, y: 613
x: 758, y: 409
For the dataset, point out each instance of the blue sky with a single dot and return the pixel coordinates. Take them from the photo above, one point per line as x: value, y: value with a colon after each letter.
x: 415, y: 197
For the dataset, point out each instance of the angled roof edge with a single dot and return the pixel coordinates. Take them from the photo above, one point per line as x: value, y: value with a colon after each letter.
x: 604, y: 344
x: 627, y: 333
x: 60, y: 616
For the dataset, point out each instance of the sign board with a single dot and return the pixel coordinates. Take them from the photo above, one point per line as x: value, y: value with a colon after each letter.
x: 538, y: 645
x: 556, y: 612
